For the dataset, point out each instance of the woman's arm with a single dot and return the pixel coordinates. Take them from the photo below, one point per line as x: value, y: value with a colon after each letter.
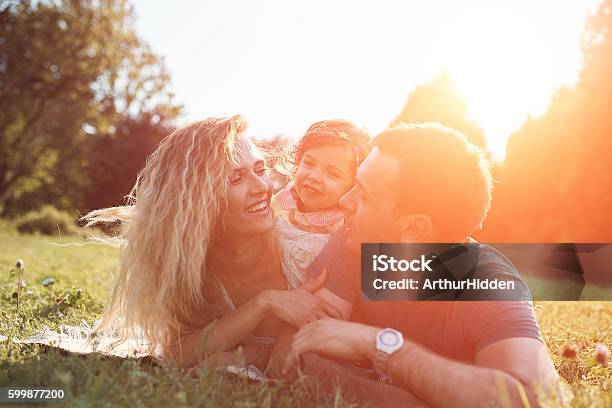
x: 220, y: 335
x: 283, y: 344
x: 296, y: 307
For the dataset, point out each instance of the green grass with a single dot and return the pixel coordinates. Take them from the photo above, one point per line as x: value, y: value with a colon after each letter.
x: 82, y: 273
x: 583, y: 324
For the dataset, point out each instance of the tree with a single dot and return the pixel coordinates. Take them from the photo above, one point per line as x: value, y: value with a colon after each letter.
x: 439, y: 101
x: 68, y: 70
x: 119, y: 157
x: 556, y: 179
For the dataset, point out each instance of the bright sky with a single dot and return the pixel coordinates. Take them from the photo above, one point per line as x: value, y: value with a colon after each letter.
x: 285, y: 64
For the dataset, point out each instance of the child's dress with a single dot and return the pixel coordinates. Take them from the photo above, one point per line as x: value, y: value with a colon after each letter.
x: 302, y: 235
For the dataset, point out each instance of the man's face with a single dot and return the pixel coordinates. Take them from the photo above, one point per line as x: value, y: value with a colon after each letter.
x: 369, y: 205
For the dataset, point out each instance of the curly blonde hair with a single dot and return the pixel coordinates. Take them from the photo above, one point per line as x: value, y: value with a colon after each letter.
x: 163, y: 286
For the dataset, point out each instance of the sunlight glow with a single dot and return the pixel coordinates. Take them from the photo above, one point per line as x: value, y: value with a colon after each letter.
x: 285, y: 65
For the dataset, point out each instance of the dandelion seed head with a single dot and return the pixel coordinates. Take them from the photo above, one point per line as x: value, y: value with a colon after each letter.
x: 19, y: 264
x: 602, y: 354
x: 570, y: 351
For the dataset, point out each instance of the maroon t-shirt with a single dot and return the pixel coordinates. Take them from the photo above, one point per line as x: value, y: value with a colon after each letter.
x: 454, y: 329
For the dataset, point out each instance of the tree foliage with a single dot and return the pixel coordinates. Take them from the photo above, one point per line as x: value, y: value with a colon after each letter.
x: 69, y: 70
x: 119, y: 157
x: 556, y: 181
x: 439, y: 101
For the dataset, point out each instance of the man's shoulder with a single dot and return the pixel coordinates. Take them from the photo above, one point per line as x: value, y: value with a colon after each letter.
x: 488, y: 254
x: 492, y: 264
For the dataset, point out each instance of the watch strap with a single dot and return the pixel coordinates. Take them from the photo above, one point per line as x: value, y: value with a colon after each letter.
x: 380, y: 366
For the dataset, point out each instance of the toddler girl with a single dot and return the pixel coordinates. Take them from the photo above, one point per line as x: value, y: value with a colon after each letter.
x: 324, y: 163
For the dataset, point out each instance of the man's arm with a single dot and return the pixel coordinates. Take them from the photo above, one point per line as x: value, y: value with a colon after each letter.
x: 511, y: 364
x: 509, y: 371
x: 512, y: 372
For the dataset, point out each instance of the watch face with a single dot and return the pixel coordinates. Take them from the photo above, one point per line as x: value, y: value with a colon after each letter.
x: 389, y: 338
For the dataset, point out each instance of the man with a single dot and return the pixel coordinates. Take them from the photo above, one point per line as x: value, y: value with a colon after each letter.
x: 426, y: 184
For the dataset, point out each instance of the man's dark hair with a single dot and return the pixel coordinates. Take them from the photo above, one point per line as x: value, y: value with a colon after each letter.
x: 441, y: 174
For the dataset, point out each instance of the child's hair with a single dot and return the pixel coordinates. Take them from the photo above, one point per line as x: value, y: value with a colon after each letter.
x: 340, y: 132
x: 335, y: 132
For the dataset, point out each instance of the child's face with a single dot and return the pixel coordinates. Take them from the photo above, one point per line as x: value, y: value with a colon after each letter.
x: 324, y: 174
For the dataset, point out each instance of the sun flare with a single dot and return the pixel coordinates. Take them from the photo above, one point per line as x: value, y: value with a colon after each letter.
x: 362, y: 60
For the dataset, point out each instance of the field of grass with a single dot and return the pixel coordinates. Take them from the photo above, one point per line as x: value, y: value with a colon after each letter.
x: 82, y: 274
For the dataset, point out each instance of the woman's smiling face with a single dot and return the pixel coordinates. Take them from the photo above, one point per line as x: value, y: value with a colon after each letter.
x: 324, y: 174
x: 248, y: 205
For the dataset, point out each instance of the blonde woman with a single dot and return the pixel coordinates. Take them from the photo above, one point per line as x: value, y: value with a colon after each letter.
x: 199, y: 269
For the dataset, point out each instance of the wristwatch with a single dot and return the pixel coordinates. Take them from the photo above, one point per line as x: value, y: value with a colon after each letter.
x: 388, y: 341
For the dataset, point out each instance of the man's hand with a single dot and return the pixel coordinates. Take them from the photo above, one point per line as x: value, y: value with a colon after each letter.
x: 332, y: 338
x: 299, y: 306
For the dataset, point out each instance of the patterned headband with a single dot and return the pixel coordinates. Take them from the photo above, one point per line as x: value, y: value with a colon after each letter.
x: 360, y: 142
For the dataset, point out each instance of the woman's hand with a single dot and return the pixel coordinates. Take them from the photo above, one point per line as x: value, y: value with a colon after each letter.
x: 296, y: 307
x: 299, y: 306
